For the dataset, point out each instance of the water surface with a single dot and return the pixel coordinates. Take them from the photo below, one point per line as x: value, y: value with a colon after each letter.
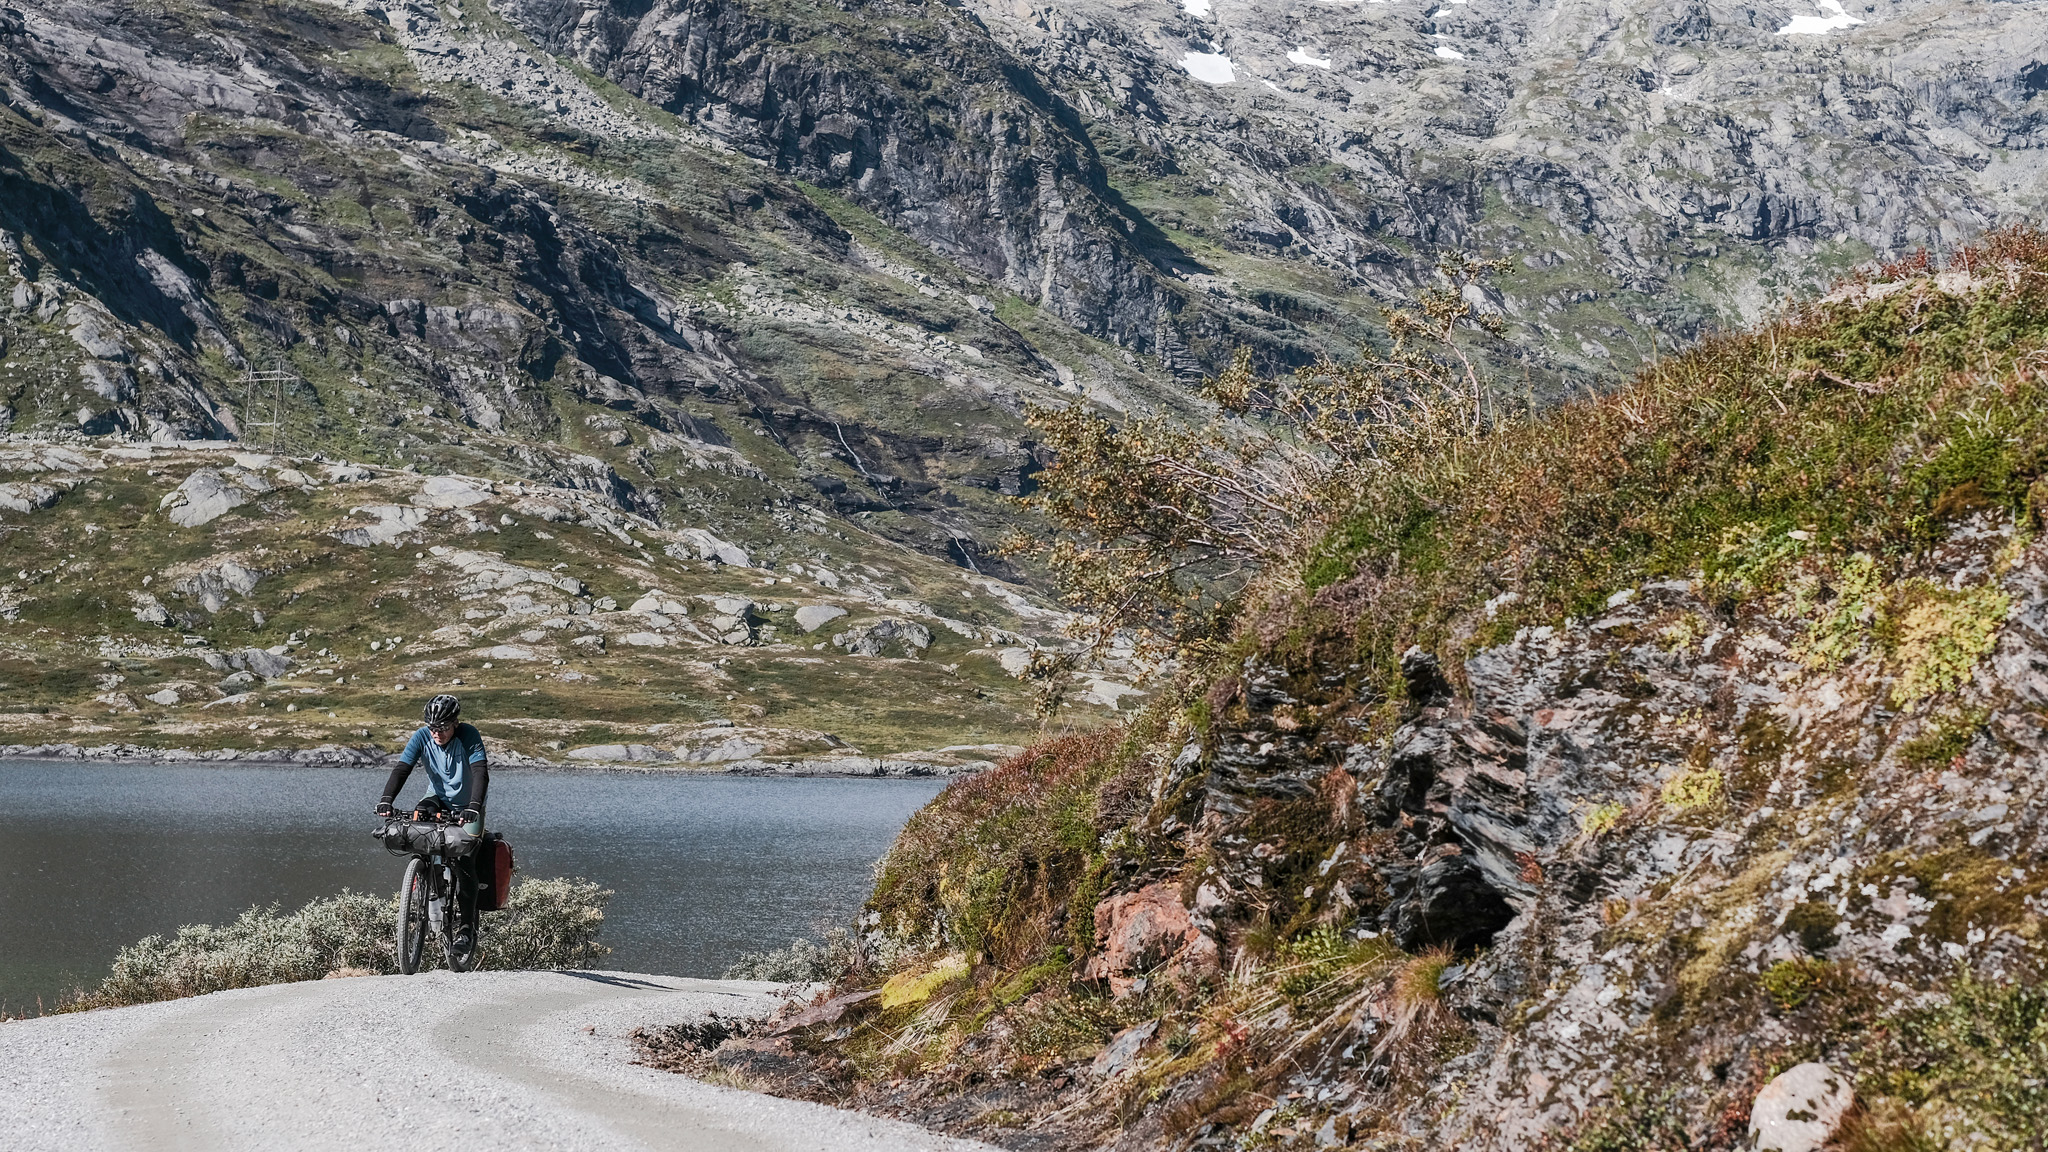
x: 95, y: 856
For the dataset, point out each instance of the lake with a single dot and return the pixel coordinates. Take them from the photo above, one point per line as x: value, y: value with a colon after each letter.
x: 95, y: 856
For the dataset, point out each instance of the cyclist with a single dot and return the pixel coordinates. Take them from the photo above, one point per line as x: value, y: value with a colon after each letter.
x: 459, y: 776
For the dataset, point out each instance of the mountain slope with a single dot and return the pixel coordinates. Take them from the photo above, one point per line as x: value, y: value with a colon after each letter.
x: 1573, y: 787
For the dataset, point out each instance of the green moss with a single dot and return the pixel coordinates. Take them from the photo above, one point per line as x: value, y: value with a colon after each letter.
x: 1792, y: 982
x: 1941, y: 634
x: 1814, y: 923
x: 1694, y: 790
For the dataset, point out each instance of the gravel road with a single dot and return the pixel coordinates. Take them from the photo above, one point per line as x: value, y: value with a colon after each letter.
x: 502, y: 1060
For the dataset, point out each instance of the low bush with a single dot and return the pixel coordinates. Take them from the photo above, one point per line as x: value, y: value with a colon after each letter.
x: 803, y: 962
x: 545, y: 924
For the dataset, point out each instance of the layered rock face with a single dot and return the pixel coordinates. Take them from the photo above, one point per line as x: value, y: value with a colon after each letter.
x: 1653, y: 832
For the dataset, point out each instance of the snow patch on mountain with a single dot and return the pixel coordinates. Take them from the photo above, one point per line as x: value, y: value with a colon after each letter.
x: 1833, y: 16
x: 1301, y: 56
x: 1209, y: 67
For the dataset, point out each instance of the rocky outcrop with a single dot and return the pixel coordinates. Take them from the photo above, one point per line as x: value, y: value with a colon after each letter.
x: 1645, y: 821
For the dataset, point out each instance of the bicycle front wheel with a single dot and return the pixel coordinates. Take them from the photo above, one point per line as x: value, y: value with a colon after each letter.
x: 412, y: 914
x: 458, y: 940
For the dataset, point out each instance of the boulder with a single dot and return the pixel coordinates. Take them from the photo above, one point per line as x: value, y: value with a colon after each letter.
x: 645, y: 640
x: 811, y: 617
x: 731, y: 619
x: 165, y: 697
x: 1144, y: 931
x: 873, y: 639
x: 207, y: 495
x: 393, y: 521
x: 347, y: 473
x: 149, y: 609
x: 1123, y: 1048
x: 262, y: 662
x: 1800, y: 1109
x: 489, y: 572
x: 702, y: 545
x: 657, y: 601
x: 24, y: 496
x: 508, y: 652
x: 450, y: 492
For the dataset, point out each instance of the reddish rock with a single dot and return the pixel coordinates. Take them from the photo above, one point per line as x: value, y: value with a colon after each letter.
x: 1146, y: 931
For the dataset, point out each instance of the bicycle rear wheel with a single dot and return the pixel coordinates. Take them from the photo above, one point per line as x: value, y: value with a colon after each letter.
x: 412, y: 914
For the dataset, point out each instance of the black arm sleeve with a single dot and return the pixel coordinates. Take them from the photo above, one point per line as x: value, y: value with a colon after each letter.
x: 396, y: 782
x: 483, y: 784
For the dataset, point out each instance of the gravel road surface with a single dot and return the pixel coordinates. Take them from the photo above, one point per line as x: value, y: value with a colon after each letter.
x: 501, y: 1060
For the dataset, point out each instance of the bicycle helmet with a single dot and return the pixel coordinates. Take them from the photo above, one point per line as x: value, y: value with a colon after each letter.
x: 442, y: 709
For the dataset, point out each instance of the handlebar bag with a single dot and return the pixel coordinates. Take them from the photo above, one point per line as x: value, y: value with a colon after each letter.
x: 493, y: 873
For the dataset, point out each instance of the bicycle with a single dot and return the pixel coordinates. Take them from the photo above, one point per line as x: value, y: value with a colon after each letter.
x: 429, y: 898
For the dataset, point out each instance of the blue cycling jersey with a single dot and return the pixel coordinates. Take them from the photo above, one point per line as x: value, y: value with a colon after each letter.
x: 448, y: 765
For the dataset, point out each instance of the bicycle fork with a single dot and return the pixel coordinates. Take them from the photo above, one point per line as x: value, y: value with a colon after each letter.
x: 437, y: 899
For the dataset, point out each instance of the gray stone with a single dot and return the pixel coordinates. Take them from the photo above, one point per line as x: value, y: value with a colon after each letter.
x: 165, y: 697
x: 269, y: 665
x: 25, y: 496
x: 393, y: 522
x: 811, y: 617
x: 1123, y: 1049
x: 1800, y: 1109
x: 874, y: 639
x: 702, y: 545
x: 625, y: 753
x: 450, y: 492
x: 207, y: 495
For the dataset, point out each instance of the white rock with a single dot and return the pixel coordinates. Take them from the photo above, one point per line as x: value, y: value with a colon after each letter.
x: 393, y: 522
x: 449, y: 492
x: 166, y: 697
x: 149, y: 609
x: 1015, y: 661
x: 347, y: 473
x: 207, y: 495
x: 811, y: 617
x: 295, y: 478
x: 23, y: 496
x: 627, y: 752
x: 1105, y: 692
x: 490, y: 572
x: 509, y: 652
x: 705, y: 546
x: 1800, y: 1110
x: 645, y: 639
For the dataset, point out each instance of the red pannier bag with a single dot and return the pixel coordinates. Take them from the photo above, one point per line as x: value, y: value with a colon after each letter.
x: 493, y: 873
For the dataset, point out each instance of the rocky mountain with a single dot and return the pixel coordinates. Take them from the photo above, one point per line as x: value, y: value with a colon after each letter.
x: 849, y: 240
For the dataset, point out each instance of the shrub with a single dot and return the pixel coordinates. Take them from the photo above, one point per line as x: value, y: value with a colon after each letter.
x: 260, y: 946
x: 982, y: 868
x: 1971, y: 1072
x: 546, y: 924
x: 803, y: 962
